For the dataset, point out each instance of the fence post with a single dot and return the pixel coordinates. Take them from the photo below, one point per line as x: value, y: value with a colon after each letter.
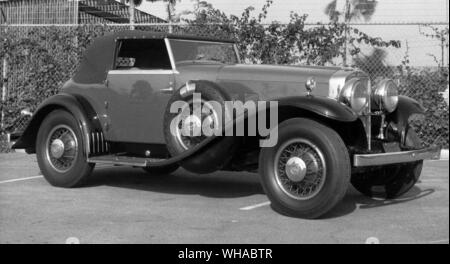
x: 346, y: 31
x: 169, y: 17
x: 132, y: 14
x: 5, y: 79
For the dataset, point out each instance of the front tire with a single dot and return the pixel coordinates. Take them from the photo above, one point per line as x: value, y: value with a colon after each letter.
x: 59, y: 151
x: 308, y: 171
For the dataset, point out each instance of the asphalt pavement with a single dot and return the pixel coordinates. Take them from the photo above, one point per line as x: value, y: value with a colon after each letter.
x: 127, y: 205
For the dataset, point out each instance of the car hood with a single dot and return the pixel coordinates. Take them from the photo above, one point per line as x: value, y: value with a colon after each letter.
x: 274, y: 81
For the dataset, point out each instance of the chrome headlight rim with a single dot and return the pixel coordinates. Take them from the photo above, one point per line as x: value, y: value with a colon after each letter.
x: 385, y: 96
x: 360, y: 102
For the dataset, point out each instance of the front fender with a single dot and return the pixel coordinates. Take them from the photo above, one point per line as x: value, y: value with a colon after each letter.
x: 322, y: 106
x: 405, y: 109
x: 76, y: 105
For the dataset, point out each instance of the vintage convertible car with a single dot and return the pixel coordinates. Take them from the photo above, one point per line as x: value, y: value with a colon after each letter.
x: 333, y: 126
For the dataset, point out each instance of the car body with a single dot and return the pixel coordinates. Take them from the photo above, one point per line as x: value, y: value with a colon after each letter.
x: 334, y: 126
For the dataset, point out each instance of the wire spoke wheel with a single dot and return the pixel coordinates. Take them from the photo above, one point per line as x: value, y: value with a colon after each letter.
x: 61, y: 148
x: 190, y: 122
x: 306, y: 174
x: 300, y: 169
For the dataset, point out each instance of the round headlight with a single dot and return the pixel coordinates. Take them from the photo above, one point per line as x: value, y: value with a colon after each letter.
x: 355, y: 95
x: 385, y: 96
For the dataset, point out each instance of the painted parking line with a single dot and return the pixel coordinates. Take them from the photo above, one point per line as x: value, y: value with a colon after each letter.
x: 22, y: 179
x: 40, y: 176
x: 251, y: 207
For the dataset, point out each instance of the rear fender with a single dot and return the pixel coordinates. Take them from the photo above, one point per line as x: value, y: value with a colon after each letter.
x: 75, y: 104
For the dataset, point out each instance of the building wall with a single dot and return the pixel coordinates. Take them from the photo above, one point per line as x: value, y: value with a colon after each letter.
x: 39, y: 12
x: 69, y: 12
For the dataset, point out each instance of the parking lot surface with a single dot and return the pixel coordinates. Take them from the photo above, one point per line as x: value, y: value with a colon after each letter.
x: 126, y: 205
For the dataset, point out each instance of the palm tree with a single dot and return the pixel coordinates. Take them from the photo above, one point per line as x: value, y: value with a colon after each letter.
x: 354, y: 10
x: 199, y: 6
x: 132, y: 3
x: 170, y: 9
x: 170, y: 6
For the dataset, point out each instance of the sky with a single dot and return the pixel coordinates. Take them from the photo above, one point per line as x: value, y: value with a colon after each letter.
x: 388, y: 11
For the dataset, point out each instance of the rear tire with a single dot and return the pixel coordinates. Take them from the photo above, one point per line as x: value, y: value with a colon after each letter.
x: 322, y: 176
x: 59, y: 151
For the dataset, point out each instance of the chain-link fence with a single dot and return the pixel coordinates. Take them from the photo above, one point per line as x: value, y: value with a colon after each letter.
x: 39, y: 59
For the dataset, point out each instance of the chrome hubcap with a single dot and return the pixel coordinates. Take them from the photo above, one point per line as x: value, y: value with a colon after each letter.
x: 295, y: 169
x: 191, y: 124
x: 300, y: 169
x: 62, y: 148
x: 188, y: 130
x: 57, y: 148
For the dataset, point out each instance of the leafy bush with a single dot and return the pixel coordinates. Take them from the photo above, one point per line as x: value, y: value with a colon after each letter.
x: 40, y: 60
x: 276, y: 43
x: 425, y: 86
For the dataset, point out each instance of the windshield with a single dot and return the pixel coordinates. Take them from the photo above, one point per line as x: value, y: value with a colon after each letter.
x: 188, y: 51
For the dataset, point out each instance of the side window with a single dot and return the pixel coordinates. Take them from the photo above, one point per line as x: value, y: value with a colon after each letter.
x: 142, y: 54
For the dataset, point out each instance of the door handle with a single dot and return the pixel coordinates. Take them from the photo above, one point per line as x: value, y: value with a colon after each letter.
x: 167, y: 90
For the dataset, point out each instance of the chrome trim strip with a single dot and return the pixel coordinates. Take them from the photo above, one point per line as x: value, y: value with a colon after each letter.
x: 124, y: 160
x: 142, y: 72
x: 98, y: 142
x: 236, y: 50
x: 200, y: 40
x: 364, y: 160
x: 103, y: 142
x: 369, y: 116
x: 87, y: 150
x: 118, y: 162
x: 170, y: 52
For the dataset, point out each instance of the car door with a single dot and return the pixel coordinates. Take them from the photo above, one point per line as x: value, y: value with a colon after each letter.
x: 139, y: 87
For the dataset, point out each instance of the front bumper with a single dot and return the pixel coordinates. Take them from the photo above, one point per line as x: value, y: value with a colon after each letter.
x: 364, y: 160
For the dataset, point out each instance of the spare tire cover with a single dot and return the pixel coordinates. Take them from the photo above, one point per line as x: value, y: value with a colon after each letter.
x: 217, y: 153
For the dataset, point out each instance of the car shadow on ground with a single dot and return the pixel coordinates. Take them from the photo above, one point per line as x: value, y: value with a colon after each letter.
x: 214, y: 185
x: 354, y: 200
x: 230, y: 185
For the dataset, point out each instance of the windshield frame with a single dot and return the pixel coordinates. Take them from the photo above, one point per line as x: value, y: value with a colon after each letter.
x: 172, y: 57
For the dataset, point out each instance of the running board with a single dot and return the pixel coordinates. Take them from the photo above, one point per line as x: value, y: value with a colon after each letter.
x: 123, y: 160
